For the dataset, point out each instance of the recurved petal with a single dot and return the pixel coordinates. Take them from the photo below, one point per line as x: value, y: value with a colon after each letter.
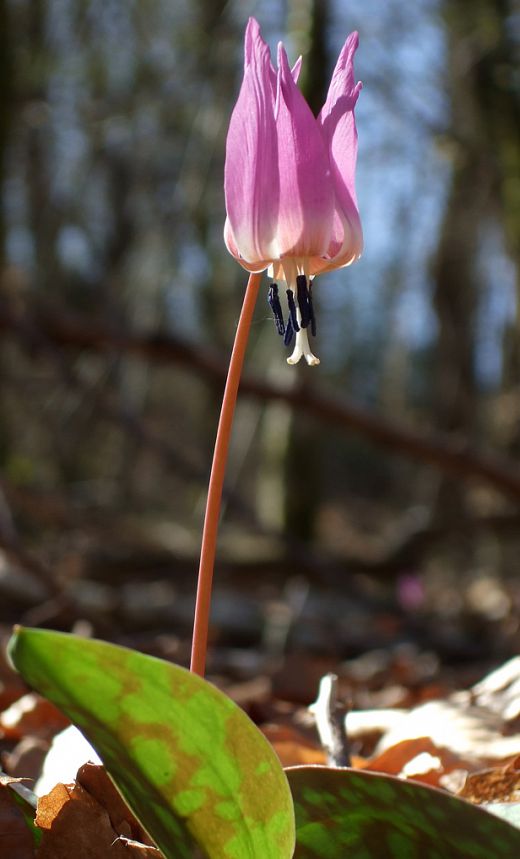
x: 251, y: 180
x: 338, y: 126
x: 345, y: 248
x: 306, y: 201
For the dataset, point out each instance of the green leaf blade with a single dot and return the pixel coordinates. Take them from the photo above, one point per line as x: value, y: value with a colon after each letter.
x: 189, y: 762
x: 351, y: 814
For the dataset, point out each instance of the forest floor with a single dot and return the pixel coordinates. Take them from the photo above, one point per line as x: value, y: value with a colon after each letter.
x: 427, y: 676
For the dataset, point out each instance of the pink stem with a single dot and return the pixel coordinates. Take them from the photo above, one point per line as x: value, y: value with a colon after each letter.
x: 216, y: 480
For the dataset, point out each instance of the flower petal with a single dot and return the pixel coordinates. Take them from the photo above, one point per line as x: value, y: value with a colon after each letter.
x: 229, y: 239
x: 296, y: 69
x: 251, y: 181
x: 306, y: 200
x: 338, y: 126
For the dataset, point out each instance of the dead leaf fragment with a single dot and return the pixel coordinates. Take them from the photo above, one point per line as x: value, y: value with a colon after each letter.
x: 472, y: 732
x: 418, y: 758
x: 34, y: 715
x: 75, y: 824
x: 500, y: 784
x: 95, y: 779
x: 293, y: 747
x: 500, y: 690
x: 16, y: 840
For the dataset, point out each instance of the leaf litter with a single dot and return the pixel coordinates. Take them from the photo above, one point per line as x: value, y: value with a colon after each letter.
x: 465, y: 742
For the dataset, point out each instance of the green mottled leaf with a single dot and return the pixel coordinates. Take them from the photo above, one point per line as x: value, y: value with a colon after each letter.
x: 350, y: 814
x: 190, y: 763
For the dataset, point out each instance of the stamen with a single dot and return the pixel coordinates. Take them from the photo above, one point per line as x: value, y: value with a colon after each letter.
x: 303, y: 350
x: 276, y: 307
x: 289, y: 333
x: 312, y: 317
x: 292, y: 310
x: 303, y: 299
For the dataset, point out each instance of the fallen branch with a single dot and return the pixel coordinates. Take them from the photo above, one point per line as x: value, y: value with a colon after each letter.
x: 448, y: 453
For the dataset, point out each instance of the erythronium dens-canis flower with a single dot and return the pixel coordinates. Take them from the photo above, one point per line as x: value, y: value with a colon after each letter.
x: 290, y: 182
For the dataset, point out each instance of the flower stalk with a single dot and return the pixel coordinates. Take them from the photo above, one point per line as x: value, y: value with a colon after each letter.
x: 289, y: 185
x: 216, y: 480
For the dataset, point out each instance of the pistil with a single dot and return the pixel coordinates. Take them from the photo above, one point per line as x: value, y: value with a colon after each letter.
x: 303, y: 350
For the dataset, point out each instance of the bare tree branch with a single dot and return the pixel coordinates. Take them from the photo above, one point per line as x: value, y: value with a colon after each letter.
x: 448, y: 453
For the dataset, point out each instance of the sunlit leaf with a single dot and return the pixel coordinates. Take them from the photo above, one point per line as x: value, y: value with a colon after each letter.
x: 348, y: 814
x: 189, y: 762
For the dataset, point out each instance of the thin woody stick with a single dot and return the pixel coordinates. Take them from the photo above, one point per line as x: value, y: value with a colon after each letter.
x: 216, y: 480
x: 330, y: 722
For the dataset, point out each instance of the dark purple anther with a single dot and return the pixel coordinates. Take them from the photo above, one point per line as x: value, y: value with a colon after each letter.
x: 292, y: 310
x: 302, y: 294
x: 289, y: 333
x: 276, y: 307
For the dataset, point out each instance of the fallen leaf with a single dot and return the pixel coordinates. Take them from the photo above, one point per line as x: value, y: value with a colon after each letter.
x: 500, y: 784
x: 470, y: 731
x: 419, y: 758
x: 16, y: 839
x: 95, y: 779
x: 75, y: 825
x: 500, y: 690
x: 479, y: 725
x: 34, y: 715
x: 26, y: 759
x: 293, y: 747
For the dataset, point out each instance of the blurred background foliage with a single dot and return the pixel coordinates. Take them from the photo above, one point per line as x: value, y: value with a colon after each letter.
x: 397, y: 458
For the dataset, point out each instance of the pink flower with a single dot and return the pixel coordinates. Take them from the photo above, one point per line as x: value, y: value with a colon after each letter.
x: 290, y: 181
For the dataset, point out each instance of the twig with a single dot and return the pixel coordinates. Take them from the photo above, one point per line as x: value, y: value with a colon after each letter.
x: 330, y: 722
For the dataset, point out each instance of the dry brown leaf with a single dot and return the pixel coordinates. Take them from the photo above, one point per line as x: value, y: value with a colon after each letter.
x: 500, y: 784
x: 477, y: 725
x: 472, y: 732
x: 16, y: 840
x: 32, y: 715
x: 419, y: 759
x: 26, y: 759
x: 293, y: 747
x: 96, y: 781
x: 294, y: 754
x: 500, y: 690
x: 75, y: 825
